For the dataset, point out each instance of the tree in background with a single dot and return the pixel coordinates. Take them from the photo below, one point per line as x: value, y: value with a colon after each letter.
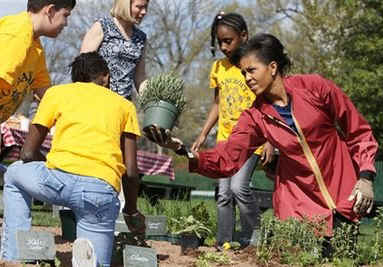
x: 340, y: 39
x: 361, y: 70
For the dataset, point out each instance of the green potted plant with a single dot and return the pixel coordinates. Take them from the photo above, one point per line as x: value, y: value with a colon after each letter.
x: 191, y: 231
x: 162, y: 99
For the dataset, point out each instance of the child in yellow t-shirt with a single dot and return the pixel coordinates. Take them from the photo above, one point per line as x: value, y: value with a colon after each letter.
x: 232, y: 96
x: 23, y: 66
x: 93, y: 151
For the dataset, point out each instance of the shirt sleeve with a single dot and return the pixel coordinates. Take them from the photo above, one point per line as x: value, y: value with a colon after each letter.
x: 355, y: 130
x: 42, y: 79
x: 48, y: 110
x: 213, y: 75
x: 228, y: 156
x: 131, y: 123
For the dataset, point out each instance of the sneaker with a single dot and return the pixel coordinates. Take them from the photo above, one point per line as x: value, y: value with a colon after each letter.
x: 83, y: 254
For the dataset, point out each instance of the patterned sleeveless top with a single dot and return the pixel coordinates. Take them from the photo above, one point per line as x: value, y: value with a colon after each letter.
x: 122, y: 55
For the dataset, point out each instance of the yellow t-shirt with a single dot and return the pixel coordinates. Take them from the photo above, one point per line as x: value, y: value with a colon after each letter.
x: 22, y: 66
x: 89, y: 121
x: 234, y: 96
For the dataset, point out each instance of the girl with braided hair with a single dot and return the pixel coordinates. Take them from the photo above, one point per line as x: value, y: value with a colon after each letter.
x: 231, y: 97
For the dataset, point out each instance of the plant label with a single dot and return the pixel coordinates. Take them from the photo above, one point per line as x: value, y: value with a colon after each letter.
x: 139, y: 257
x: 34, y: 245
x: 155, y: 225
x: 254, y: 238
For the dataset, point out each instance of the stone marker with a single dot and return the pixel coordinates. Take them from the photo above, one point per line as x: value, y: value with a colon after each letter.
x: 255, y: 238
x: 155, y: 225
x: 34, y: 245
x: 55, y: 210
x: 139, y: 257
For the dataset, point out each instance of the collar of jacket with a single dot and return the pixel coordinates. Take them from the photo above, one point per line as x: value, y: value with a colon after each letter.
x: 269, y: 112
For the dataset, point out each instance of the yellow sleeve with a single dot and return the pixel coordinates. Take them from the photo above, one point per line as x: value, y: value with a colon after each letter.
x: 42, y: 75
x: 131, y: 124
x: 213, y: 75
x: 48, y: 111
x: 13, y: 51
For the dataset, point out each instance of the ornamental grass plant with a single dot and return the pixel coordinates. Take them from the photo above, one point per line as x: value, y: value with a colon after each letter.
x: 168, y: 87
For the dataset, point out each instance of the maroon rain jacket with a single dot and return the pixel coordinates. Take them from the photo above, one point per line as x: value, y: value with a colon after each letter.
x: 319, y: 165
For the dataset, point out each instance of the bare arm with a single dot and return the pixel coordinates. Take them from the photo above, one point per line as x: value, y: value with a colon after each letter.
x: 130, y: 181
x: 92, y: 38
x: 31, y: 148
x: 209, y: 123
x: 140, y: 75
x: 39, y: 93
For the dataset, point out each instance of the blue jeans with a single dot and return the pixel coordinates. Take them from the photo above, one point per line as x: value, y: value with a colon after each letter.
x: 94, y: 202
x: 236, y: 190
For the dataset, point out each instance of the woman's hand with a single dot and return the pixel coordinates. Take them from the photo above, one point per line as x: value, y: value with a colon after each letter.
x: 363, y: 194
x: 267, y: 153
x: 162, y: 137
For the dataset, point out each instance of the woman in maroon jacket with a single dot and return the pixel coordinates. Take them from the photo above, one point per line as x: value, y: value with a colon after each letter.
x: 327, y: 149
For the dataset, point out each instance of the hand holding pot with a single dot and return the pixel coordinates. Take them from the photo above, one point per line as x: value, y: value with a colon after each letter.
x: 162, y: 137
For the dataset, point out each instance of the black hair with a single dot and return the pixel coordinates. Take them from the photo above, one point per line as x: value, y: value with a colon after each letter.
x: 266, y: 48
x: 87, y: 67
x: 35, y: 6
x: 232, y: 20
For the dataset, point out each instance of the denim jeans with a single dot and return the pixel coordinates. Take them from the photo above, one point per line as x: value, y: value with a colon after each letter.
x: 94, y: 202
x: 236, y: 190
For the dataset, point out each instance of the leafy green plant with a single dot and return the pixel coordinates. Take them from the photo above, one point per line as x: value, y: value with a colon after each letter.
x: 206, y: 258
x: 378, y: 244
x: 167, y: 87
x: 344, y: 241
x: 290, y: 242
x: 190, y: 225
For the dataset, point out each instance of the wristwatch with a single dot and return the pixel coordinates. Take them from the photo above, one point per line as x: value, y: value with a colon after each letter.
x: 369, y: 175
x: 185, y: 151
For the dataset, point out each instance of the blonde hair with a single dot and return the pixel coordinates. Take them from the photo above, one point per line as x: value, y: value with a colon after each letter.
x: 122, y: 9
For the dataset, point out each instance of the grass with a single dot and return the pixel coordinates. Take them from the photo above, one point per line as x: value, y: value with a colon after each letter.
x: 202, y: 210
x: 42, y: 217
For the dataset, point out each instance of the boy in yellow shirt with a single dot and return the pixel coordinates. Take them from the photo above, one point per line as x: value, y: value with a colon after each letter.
x: 93, y: 151
x: 23, y: 66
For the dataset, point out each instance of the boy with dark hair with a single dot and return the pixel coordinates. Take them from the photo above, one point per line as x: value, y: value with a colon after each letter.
x: 23, y: 66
